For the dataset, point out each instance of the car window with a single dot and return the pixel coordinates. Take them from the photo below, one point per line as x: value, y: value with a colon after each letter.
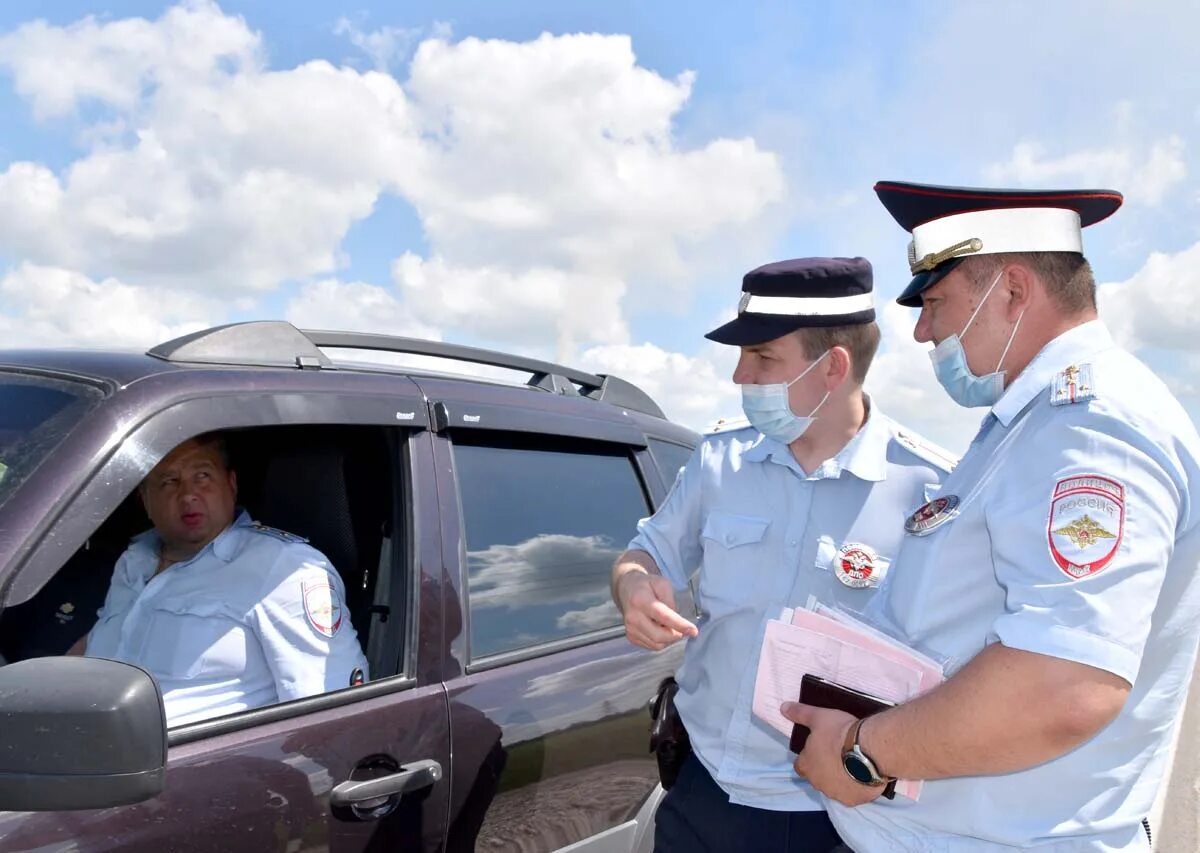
x: 669, y: 457
x: 36, y: 413
x: 295, y: 606
x: 543, y: 525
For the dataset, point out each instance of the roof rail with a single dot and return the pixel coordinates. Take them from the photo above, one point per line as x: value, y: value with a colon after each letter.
x: 277, y: 343
x: 555, y: 378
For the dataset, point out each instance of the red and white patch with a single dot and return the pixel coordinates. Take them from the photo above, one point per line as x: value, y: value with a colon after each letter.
x: 1087, y: 523
x: 322, y: 607
x: 858, y: 566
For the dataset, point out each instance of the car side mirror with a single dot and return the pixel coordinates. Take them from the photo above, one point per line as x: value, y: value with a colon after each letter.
x: 79, y: 733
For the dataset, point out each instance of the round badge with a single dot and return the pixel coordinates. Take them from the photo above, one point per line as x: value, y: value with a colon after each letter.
x: 932, y: 515
x: 857, y: 566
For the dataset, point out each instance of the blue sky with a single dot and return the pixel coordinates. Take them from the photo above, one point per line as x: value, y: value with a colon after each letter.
x: 195, y: 167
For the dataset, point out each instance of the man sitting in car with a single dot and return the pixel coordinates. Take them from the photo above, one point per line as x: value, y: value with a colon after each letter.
x: 225, y: 613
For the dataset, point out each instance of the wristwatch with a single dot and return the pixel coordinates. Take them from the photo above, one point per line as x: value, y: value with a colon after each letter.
x: 859, y: 765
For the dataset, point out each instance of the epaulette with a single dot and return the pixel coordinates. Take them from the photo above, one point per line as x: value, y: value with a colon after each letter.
x: 1073, y: 384
x: 726, y: 425
x: 927, y: 450
x: 282, y: 535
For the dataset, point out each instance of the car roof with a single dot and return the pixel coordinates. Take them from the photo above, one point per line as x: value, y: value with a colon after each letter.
x: 278, y: 345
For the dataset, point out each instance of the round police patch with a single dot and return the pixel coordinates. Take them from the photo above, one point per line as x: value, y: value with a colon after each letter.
x: 1087, y: 523
x: 858, y: 566
x: 932, y: 515
x: 322, y: 607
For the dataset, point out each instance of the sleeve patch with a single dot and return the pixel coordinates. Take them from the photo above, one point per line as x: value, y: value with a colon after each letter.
x: 322, y: 607
x: 1086, y: 524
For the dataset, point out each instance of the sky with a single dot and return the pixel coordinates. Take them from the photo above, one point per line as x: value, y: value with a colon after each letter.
x: 585, y: 182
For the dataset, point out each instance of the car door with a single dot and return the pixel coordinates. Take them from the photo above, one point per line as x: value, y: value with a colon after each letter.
x: 280, y: 778
x: 548, y: 700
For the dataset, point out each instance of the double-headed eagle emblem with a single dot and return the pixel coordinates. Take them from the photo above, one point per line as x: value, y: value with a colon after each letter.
x: 1084, y: 532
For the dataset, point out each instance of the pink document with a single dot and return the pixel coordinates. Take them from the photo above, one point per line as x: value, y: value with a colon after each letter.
x: 841, y: 651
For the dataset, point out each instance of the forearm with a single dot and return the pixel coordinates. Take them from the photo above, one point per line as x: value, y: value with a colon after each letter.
x: 1004, y: 711
x: 631, y: 561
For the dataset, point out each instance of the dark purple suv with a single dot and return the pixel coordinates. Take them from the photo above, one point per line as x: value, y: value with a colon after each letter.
x: 474, y: 523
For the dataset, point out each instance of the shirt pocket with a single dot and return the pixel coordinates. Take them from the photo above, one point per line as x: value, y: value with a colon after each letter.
x: 193, y: 638
x: 730, y: 553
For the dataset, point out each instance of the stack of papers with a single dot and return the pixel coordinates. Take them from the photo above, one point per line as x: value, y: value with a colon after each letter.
x: 842, y: 649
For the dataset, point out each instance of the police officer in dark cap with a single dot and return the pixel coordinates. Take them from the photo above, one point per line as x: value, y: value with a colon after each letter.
x: 803, y: 497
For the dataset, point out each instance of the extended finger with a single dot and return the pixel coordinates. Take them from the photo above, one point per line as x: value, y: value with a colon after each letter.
x: 668, y: 618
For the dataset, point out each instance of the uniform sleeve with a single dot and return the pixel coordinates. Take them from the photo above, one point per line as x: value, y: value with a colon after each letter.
x: 304, y: 627
x: 672, y: 535
x: 1081, y: 543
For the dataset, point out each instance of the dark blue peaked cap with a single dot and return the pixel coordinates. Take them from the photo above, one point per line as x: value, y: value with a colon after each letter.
x: 806, y: 292
x: 916, y: 206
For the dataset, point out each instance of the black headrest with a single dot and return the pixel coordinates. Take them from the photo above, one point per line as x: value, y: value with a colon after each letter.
x: 304, y: 492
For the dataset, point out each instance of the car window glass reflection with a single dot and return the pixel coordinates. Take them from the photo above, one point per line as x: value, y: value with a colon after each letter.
x: 543, y: 527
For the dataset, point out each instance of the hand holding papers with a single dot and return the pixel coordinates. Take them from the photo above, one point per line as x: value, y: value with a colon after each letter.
x: 842, y: 650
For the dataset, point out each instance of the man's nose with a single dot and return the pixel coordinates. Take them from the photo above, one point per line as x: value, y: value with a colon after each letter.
x: 742, y: 374
x: 922, y: 332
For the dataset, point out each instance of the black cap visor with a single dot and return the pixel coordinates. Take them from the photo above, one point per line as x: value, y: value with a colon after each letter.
x: 752, y: 329
x: 922, y: 281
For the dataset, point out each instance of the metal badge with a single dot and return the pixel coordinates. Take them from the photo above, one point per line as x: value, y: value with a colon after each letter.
x: 932, y: 515
x: 858, y: 566
x: 743, y: 303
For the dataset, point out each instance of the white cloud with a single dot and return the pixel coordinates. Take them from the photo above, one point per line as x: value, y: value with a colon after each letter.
x: 52, y: 307
x: 355, y: 307
x: 546, y: 174
x: 120, y: 62
x: 1145, y: 175
x: 901, y: 380
x: 533, y: 572
x: 385, y: 47
x: 1157, y: 306
x: 692, y: 390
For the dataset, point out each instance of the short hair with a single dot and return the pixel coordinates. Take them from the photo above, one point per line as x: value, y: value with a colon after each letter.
x: 1068, y: 276
x: 861, y: 340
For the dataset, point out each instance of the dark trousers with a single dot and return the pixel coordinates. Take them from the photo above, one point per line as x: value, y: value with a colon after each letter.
x: 697, y: 817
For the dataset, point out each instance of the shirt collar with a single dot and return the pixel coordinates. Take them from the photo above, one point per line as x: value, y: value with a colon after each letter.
x: 864, y: 456
x: 226, y: 546
x: 1072, y: 346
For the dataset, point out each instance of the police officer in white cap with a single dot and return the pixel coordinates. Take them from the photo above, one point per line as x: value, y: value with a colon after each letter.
x: 806, y: 497
x: 1056, y: 574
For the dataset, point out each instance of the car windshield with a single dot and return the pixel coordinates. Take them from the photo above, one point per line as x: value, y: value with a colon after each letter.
x: 36, y: 413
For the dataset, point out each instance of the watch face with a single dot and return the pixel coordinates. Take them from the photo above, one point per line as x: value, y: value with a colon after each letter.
x: 858, y: 769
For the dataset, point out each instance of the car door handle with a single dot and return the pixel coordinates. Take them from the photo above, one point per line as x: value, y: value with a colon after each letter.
x: 411, y: 777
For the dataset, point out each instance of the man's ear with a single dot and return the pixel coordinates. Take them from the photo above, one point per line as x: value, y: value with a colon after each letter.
x: 233, y: 483
x: 1019, y: 281
x: 840, y: 365
x: 141, y: 490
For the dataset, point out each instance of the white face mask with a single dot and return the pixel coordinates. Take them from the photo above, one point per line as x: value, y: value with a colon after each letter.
x: 954, y: 374
x: 768, y: 410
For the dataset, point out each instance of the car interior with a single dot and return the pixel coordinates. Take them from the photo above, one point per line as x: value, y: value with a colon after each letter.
x: 332, y: 485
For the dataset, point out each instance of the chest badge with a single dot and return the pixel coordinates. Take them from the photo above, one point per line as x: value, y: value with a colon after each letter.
x: 932, y: 515
x: 858, y: 566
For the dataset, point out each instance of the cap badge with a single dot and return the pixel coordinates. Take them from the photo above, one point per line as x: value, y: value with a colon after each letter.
x: 932, y: 515
x: 966, y: 247
x: 858, y: 567
x: 743, y: 303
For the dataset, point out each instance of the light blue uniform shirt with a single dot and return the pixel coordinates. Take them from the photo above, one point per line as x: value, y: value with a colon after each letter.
x: 257, y: 617
x: 764, y: 536
x: 1077, y: 535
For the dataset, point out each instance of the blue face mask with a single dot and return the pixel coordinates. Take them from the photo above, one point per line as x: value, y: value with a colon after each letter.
x: 767, y: 408
x: 952, y: 371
